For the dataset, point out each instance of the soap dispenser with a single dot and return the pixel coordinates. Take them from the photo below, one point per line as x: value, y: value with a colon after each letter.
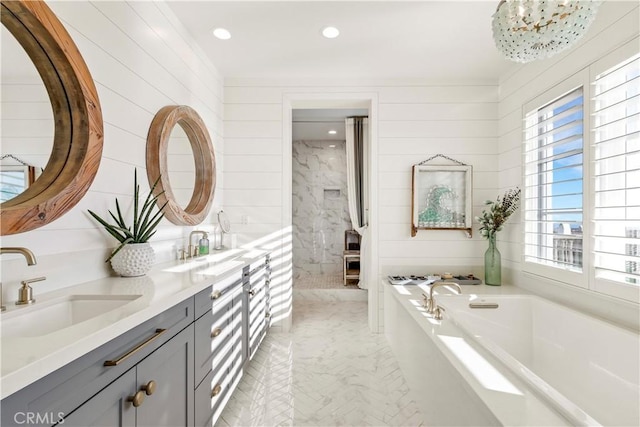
x: 217, y: 238
x: 203, y: 245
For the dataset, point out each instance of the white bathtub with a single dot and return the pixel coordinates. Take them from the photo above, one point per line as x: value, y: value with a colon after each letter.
x: 586, y: 368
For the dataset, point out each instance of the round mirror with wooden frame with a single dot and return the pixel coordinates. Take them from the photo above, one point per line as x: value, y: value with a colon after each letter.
x: 204, y: 158
x: 78, y: 135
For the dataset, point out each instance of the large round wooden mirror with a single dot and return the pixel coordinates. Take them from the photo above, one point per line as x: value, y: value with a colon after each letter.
x: 78, y: 133
x: 201, y: 163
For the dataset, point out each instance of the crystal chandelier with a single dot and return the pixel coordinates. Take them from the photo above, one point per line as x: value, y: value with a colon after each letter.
x: 526, y: 30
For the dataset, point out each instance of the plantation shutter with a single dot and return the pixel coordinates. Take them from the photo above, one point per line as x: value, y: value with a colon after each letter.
x: 553, y: 183
x: 617, y: 173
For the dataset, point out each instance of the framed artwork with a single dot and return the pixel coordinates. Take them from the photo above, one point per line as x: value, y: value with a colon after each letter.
x: 441, y: 198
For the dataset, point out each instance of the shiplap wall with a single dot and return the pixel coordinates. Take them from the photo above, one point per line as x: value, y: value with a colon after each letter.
x: 415, y: 121
x: 141, y: 59
x: 617, y: 24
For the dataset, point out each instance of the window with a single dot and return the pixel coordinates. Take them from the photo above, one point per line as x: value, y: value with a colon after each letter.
x: 617, y: 174
x: 553, y: 206
x: 581, y: 164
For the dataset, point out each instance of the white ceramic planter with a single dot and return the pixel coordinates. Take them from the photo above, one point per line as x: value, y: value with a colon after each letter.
x: 134, y: 259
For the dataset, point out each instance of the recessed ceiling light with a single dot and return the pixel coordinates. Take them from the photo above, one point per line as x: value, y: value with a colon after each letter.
x: 222, y: 33
x: 330, y: 32
x: 332, y: 146
x: 332, y: 132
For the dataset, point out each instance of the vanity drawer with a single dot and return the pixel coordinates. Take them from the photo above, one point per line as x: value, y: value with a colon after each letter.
x: 213, y: 331
x: 207, y: 298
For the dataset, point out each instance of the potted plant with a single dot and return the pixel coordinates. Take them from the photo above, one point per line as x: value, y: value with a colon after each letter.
x: 490, y: 223
x: 134, y: 255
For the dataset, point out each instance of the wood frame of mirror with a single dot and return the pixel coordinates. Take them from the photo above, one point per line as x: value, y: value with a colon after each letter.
x: 205, y: 163
x: 78, y: 136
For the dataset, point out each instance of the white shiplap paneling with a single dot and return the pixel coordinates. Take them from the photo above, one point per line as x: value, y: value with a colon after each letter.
x: 141, y: 59
x: 415, y: 121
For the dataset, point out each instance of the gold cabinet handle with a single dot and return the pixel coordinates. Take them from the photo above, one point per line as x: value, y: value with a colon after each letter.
x: 216, y: 332
x: 216, y: 390
x: 135, y: 349
x: 149, y: 388
x: 136, y: 399
x: 216, y: 294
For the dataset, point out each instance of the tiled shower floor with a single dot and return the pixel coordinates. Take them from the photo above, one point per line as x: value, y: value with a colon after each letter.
x: 328, y: 371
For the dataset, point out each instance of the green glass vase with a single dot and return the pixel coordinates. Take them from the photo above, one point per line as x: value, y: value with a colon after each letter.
x: 492, y: 263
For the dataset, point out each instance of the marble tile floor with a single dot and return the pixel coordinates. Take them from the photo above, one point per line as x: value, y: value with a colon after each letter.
x: 328, y: 371
x: 322, y: 281
x: 326, y: 287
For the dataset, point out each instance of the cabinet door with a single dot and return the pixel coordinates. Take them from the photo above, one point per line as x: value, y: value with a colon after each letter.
x: 170, y: 368
x: 109, y: 408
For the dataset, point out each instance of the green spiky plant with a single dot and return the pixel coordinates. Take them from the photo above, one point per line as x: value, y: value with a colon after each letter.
x: 144, y: 220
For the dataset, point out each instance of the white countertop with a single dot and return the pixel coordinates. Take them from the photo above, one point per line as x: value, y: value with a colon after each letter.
x: 520, y: 408
x: 26, y: 360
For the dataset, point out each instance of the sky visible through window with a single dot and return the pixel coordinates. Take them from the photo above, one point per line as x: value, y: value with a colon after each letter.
x: 566, y: 204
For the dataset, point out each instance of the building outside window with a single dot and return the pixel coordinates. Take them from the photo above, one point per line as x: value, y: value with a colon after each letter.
x: 617, y: 172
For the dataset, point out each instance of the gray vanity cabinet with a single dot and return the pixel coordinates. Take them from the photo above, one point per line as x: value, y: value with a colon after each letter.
x: 156, y: 392
x: 218, y: 347
x: 176, y: 369
x: 65, y: 391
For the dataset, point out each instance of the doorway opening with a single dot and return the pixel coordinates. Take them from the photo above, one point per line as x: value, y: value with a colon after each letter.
x: 326, y: 244
x: 365, y: 102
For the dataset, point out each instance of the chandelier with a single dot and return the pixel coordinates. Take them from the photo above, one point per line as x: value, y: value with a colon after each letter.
x: 526, y: 30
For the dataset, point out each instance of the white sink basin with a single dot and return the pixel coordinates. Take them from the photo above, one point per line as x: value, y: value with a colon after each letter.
x: 43, y: 318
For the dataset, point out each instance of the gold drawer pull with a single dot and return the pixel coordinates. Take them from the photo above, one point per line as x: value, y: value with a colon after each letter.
x: 149, y: 388
x: 216, y: 294
x: 135, y: 349
x: 216, y: 332
x: 216, y: 390
x: 136, y: 399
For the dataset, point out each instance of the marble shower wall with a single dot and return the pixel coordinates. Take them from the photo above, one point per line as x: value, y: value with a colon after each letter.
x: 320, y: 207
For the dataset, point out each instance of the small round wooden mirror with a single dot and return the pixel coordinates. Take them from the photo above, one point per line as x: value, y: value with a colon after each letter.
x: 78, y: 133
x: 204, y: 162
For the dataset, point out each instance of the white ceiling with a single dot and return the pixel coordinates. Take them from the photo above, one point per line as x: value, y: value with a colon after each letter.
x: 315, y: 124
x: 437, y: 40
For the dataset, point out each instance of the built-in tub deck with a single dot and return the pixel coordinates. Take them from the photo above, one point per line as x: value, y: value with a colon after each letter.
x: 528, y: 362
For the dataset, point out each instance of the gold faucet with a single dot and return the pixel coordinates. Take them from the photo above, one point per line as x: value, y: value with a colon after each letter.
x: 25, y: 294
x: 430, y: 301
x: 29, y: 256
x: 194, y: 249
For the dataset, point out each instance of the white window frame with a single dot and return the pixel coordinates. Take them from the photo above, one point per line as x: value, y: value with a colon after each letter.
x: 563, y: 88
x: 587, y: 278
x: 604, y: 286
